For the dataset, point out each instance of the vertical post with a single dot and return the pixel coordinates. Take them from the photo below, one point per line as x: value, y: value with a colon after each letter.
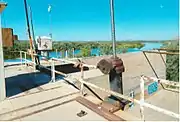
x: 113, y: 34
x: 29, y: 31
x: 2, y: 75
x: 21, y: 58
x: 52, y: 71
x: 34, y: 64
x: 66, y: 54
x: 49, y: 11
x: 56, y: 54
x: 142, y: 98
x: 82, y: 76
x: 115, y: 78
x: 25, y: 54
x: 73, y: 53
x: 60, y: 54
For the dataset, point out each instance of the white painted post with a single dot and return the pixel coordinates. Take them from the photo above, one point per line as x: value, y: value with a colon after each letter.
x: 25, y: 54
x: 142, y: 99
x: 52, y: 71
x: 82, y: 77
x: 56, y: 54
x: 66, y: 54
x: 34, y: 64
x: 2, y: 74
x: 21, y: 58
x: 73, y: 53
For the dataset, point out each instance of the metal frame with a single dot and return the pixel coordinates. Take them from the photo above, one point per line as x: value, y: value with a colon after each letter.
x: 158, y: 52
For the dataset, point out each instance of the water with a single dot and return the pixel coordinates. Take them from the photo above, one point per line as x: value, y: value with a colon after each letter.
x: 148, y: 46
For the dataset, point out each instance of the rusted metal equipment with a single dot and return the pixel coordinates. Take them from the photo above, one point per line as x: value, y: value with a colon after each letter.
x: 99, y: 109
x: 114, y: 67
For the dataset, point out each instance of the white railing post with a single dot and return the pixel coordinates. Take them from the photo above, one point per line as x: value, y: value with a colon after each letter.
x: 34, y: 63
x: 21, y: 58
x: 25, y: 56
x: 66, y: 54
x: 52, y: 71
x: 56, y: 54
x: 142, y: 98
x: 82, y: 77
x: 73, y: 53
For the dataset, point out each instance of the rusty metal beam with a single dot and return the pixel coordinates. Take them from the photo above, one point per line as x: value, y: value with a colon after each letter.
x: 99, y: 110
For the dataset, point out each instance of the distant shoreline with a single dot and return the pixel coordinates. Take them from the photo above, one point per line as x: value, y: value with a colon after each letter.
x: 123, y: 41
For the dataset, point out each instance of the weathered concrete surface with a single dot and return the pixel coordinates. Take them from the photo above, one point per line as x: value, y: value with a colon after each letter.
x: 135, y: 64
x: 164, y: 99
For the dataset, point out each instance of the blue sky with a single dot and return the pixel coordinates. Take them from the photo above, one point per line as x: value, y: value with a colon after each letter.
x: 90, y: 19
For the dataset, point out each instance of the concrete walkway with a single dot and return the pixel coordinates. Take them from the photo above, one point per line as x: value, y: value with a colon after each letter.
x: 51, y: 101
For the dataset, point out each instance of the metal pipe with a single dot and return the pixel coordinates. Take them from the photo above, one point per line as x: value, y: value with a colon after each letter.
x: 52, y: 71
x: 32, y: 28
x: 142, y: 98
x: 167, y: 49
x: 28, y: 28
x: 113, y: 33
x: 162, y: 58
x: 152, y: 67
x: 169, y: 53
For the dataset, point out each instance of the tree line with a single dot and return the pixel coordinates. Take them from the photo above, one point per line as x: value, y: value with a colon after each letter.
x: 85, y: 47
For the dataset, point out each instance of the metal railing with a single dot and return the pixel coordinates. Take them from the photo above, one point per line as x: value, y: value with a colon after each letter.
x: 141, y: 102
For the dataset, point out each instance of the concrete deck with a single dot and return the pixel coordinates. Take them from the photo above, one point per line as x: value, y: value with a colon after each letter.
x: 35, y: 106
x: 48, y: 101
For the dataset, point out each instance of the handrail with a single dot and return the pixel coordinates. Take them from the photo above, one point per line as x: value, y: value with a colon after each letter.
x: 158, y: 52
x: 144, y: 104
x: 140, y: 102
x: 166, y: 49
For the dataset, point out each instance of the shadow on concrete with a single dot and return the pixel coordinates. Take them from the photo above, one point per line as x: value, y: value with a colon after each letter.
x: 66, y: 68
x: 24, y: 82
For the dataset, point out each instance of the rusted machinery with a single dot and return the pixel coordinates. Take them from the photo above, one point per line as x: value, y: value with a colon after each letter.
x: 114, y: 67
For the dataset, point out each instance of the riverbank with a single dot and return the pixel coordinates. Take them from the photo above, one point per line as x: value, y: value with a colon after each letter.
x: 84, y: 49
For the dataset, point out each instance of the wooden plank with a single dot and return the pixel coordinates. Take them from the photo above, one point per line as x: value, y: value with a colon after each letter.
x: 99, y: 110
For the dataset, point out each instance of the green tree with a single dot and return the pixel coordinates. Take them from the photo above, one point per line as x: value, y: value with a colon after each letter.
x: 85, y: 52
x: 172, y: 62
